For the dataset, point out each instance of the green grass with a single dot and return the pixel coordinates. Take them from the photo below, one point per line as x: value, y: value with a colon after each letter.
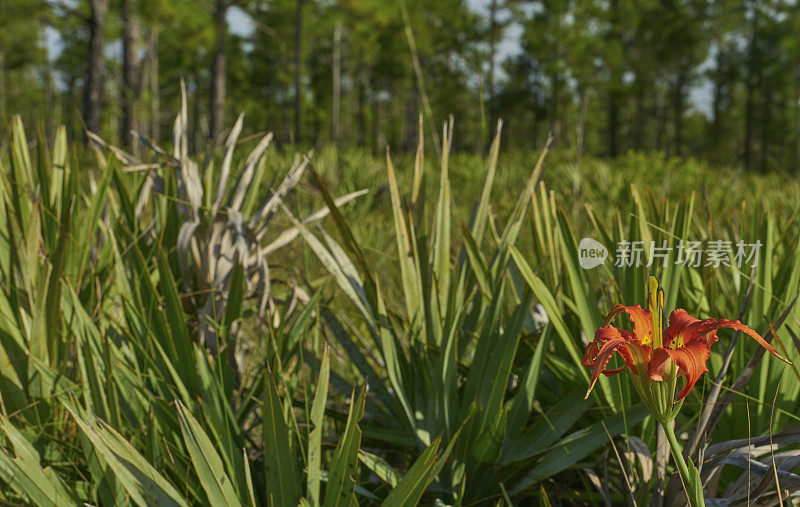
x: 397, y: 354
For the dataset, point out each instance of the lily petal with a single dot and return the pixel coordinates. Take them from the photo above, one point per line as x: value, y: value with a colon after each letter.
x: 609, y: 340
x: 691, y: 361
x: 641, y: 318
x: 685, y: 329
x: 597, y: 356
x: 735, y: 324
x: 601, y: 337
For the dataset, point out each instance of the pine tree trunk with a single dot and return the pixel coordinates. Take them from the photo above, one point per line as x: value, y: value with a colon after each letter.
x: 216, y: 118
x: 678, y: 112
x: 361, y: 115
x: 298, y: 56
x: 410, y: 121
x: 155, y: 95
x: 493, y: 7
x: 93, y: 88
x: 49, y: 100
x: 73, y: 125
x: 639, y: 117
x: 2, y: 84
x: 766, y: 121
x: 749, y: 113
x: 196, y: 134
x: 379, y: 127
x: 3, y: 121
x: 555, y: 111
x: 613, y: 99
x: 130, y: 70
x: 337, y: 85
x: 716, y: 102
x: 613, y: 124
x: 659, y: 117
x: 794, y: 145
x: 581, y: 128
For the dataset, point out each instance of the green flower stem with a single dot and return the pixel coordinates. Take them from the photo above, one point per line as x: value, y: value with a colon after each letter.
x: 677, y: 453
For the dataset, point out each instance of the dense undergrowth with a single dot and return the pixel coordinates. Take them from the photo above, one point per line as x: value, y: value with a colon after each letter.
x: 252, y: 328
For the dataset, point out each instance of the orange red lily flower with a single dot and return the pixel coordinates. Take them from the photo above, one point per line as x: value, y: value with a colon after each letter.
x: 655, y: 355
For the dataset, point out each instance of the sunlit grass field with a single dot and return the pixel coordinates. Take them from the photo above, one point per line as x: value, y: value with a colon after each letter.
x: 249, y: 326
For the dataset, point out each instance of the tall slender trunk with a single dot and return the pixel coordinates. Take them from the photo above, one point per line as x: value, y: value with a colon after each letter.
x: 677, y: 104
x: 749, y: 113
x: 298, y: 57
x: 766, y: 121
x: 361, y: 114
x: 410, y: 121
x: 716, y: 101
x: 2, y: 80
x: 493, y: 36
x: 49, y: 100
x: 337, y: 85
x: 93, y: 87
x: 155, y: 95
x: 287, y: 134
x: 2, y: 94
x: 216, y: 118
x: 613, y: 124
x: 613, y: 99
x: 659, y: 117
x: 73, y: 125
x: 379, y: 127
x: 581, y: 128
x: 555, y: 111
x: 195, y: 125
x: 638, y: 133
x: 316, y: 121
x: 130, y: 69
x: 795, y: 140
